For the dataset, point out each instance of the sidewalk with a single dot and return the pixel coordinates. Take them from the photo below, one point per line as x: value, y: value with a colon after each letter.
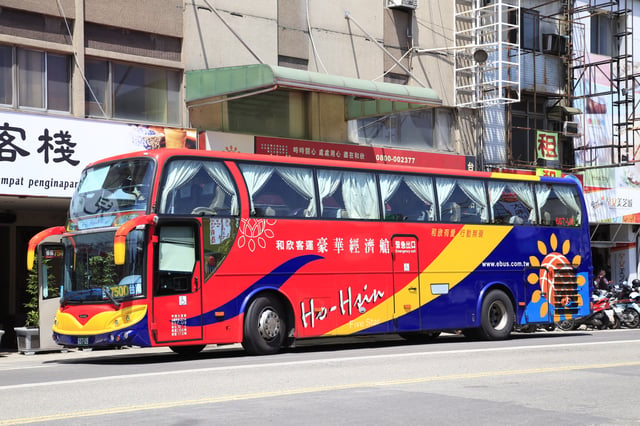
x: 10, y: 359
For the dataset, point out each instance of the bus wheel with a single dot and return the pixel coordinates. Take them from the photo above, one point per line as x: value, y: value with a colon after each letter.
x: 420, y: 337
x: 264, y: 327
x: 187, y: 350
x: 497, y: 316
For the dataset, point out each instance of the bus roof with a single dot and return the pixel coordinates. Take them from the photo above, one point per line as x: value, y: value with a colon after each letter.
x: 163, y: 155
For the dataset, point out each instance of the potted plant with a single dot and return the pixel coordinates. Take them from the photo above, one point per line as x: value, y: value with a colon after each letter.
x: 29, y: 336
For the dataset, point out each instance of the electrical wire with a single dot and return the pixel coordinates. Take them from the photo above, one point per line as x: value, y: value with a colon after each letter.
x: 214, y: 10
x: 316, y: 56
x: 77, y: 62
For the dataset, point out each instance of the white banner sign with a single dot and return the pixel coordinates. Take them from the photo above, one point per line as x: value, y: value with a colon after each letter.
x: 44, y: 155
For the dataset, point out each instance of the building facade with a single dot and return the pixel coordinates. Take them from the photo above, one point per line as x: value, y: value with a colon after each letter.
x: 79, y: 78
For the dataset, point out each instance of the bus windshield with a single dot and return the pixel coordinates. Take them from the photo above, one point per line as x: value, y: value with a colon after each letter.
x: 109, y: 194
x: 90, y: 274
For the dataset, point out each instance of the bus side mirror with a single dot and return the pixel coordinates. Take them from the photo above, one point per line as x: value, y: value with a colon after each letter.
x: 37, y: 239
x: 120, y: 240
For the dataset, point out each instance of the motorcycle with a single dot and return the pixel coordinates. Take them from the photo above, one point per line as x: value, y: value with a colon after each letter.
x: 602, y: 315
x: 626, y: 303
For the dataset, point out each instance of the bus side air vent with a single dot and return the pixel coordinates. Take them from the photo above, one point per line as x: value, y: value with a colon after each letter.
x: 566, y: 291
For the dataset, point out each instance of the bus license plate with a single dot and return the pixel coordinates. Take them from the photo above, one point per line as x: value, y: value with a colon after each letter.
x: 83, y: 341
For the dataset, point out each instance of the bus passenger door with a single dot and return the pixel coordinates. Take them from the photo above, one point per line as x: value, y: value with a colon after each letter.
x: 406, y: 282
x: 177, y: 283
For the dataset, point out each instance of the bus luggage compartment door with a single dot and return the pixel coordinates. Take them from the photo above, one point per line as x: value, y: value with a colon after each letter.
x: 537, y: 295
x: 177, y: 286
x: 406, y: 282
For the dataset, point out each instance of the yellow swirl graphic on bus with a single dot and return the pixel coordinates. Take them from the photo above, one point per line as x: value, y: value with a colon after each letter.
x: 102, y: 322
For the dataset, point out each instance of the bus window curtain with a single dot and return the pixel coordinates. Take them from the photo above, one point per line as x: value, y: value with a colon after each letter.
x: 475, y: 191
x: 525, y: 194
x: 495, y: 192
x: 445, y: 187
x: 218, y: 172
x: 302, y: 181
x: 255, y: 177
x: 389, y: 184
x: 328, y: 182
x: 542, y: 194
x: 359, y: 193
x: 180, y: 173
x: 423, y: 188
x: 566, y: 195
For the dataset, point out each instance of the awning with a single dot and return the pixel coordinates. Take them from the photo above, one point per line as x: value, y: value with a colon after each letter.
x: 364, y: 97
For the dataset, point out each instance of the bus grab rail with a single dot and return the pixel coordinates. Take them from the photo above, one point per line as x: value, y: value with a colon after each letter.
x: 120, y: 239
x: 37, y: 239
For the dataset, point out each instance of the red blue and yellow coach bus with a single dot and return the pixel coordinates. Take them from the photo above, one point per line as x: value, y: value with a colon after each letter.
x: 183, y: 249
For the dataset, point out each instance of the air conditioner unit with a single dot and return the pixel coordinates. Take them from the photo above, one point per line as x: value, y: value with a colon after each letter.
x: 570, y: 128
x: 554, y: 44
x: 402, y: 4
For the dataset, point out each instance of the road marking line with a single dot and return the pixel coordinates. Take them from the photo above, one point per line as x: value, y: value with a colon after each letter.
x: 308, y: 361
x: 300, y: 391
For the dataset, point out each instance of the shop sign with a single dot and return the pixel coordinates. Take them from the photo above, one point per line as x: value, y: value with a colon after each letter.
x: 43, y: 155
x: 360, y: 153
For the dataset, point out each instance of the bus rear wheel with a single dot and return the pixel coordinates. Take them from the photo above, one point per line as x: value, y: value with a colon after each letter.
x: 264, y: 327
x: 497, y: 316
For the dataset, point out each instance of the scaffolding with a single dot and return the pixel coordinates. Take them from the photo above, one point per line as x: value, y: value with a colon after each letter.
x: 604, y: 85
x: 487, y: 53
x: 596, y: 94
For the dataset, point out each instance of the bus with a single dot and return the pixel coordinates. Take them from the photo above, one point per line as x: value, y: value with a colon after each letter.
x: 185, y: 248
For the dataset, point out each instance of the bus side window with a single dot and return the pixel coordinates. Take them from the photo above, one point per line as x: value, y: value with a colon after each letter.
x: 352, y: 195
x: 280, y: 191
x: 559, y: 205
x: 406, y: 197
x: 197, y: 187
x: 176, y: 259
x: 462, y: 200
x: 511, y: 203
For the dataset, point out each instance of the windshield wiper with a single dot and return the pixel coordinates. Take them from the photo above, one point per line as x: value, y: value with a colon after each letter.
x: 107, y: 291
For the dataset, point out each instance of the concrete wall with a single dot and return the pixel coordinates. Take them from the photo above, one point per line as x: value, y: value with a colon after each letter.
x: 153, y: 16
x: 334, y: 45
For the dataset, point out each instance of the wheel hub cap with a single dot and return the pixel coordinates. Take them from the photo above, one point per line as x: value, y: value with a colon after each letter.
x: 269, y: 324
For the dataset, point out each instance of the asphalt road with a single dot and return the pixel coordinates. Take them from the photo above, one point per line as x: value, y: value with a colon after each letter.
x: 572, y: 378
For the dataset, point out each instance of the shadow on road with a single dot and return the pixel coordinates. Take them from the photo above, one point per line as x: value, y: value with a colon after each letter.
x: 446, y: 341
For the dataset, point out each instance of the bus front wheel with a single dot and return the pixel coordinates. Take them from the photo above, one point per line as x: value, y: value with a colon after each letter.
x: 497, y: 316
x: 264, y: 327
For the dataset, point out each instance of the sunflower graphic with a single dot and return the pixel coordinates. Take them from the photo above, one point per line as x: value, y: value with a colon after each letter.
x: 560, y: 292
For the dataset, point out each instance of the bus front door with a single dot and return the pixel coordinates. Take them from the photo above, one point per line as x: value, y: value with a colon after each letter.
x: 177, y: 283
x: 406, y: 282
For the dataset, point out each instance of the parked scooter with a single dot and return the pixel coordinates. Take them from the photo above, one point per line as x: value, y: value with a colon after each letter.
x: 602, y: 315
x: 626, y: 303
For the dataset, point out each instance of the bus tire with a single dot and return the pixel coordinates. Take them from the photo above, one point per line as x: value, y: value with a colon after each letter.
x: 264, y: 327
x: 497, y: 316
x: 187, y: 350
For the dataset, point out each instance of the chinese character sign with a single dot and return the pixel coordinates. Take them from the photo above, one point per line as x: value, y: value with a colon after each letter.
x: 44, y: 155
x: 547, y: 145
